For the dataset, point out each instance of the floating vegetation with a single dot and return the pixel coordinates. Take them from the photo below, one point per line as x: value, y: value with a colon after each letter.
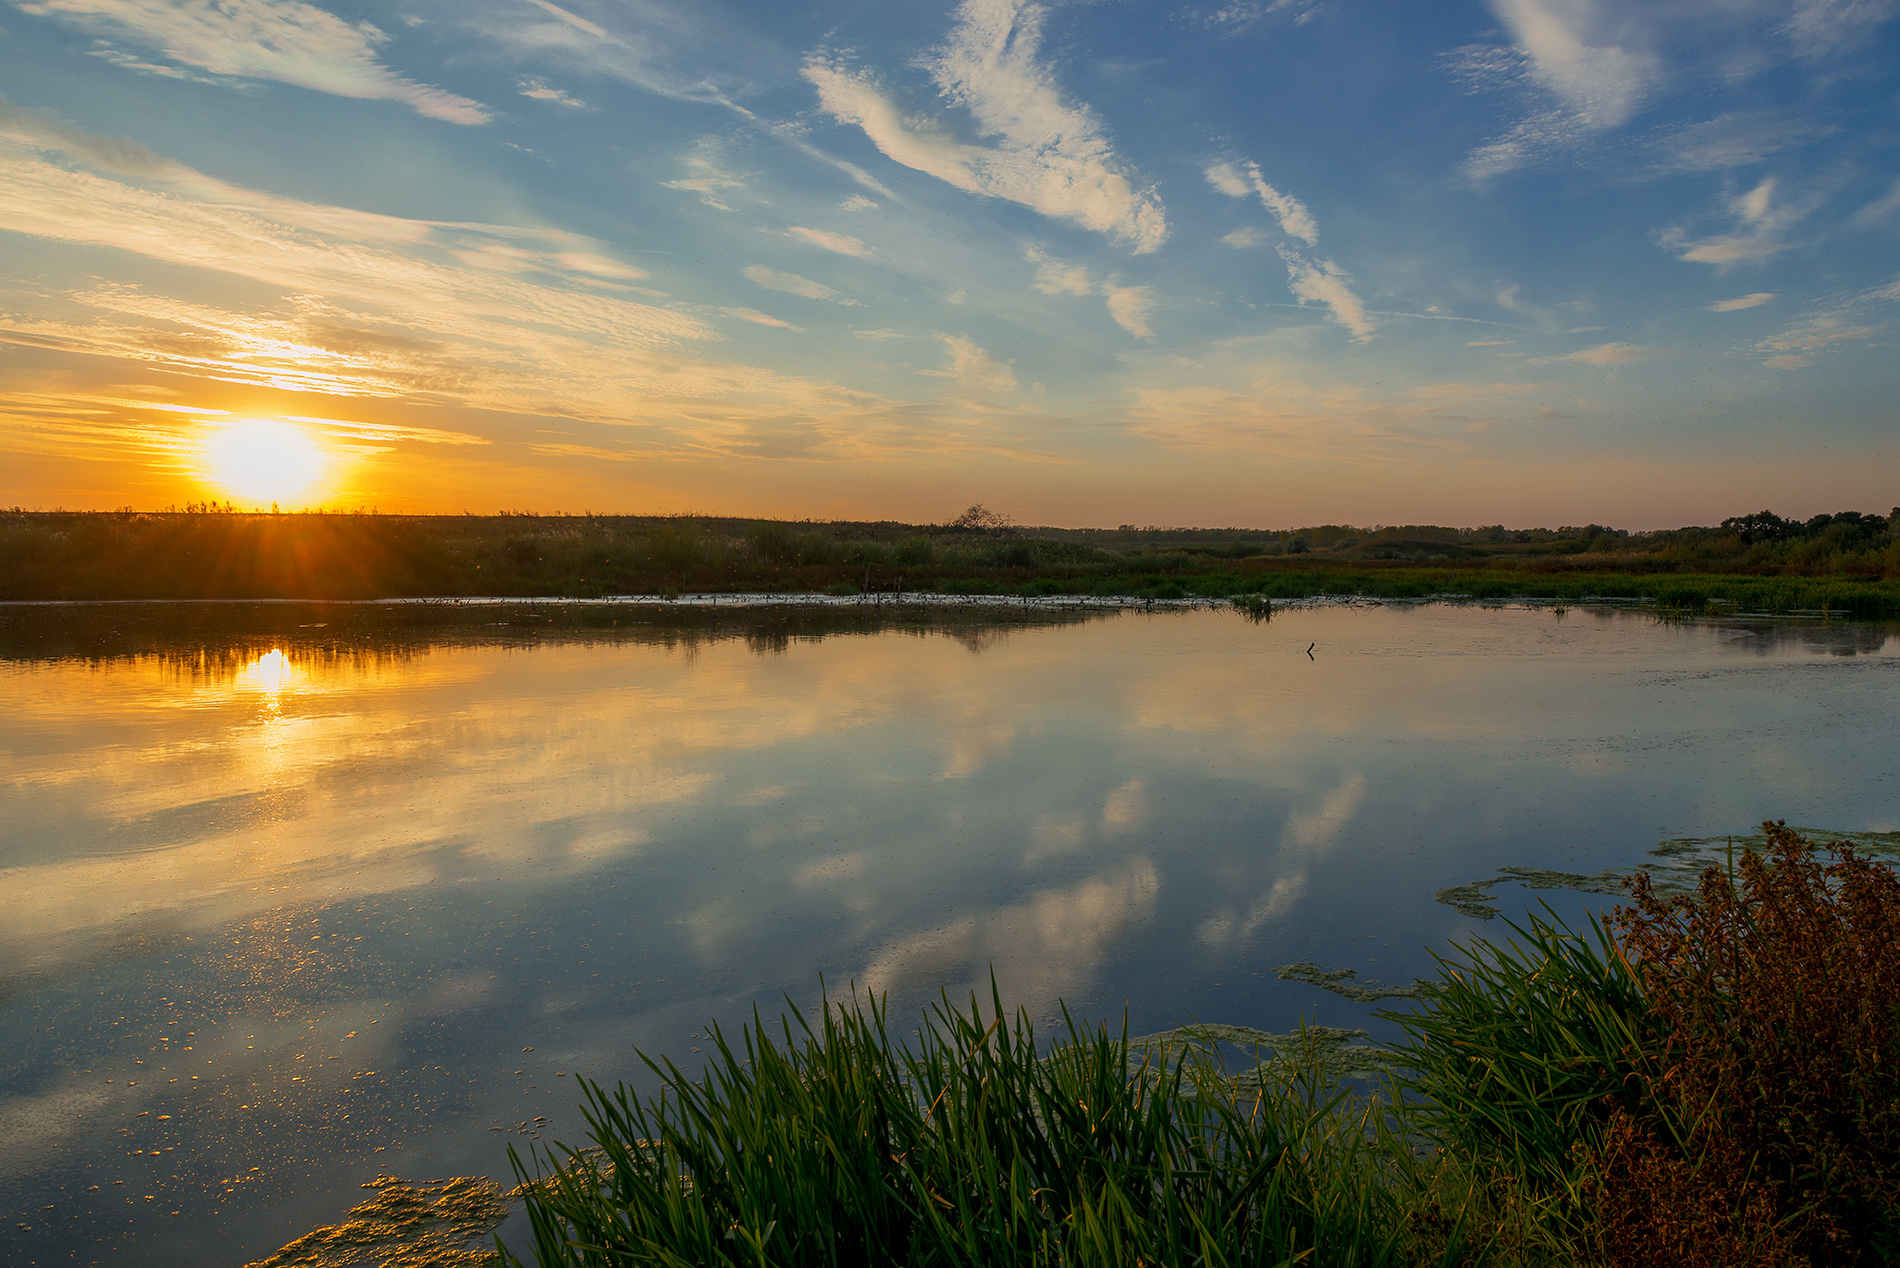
x: 1340, y: 982
x: 406, y: 1226
x: 1680, y: 864
x: 1327, y: 1052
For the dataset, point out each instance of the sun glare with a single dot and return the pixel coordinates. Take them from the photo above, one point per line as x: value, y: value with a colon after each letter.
x: 262, y: 460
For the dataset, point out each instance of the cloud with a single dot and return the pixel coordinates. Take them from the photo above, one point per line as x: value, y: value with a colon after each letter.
x: 1311, y: 279
x: 1736, y: 139
x: 1601, y: 84
x: 975, y: 370
x: 708, y: 178
x: 1880, y: 208
x: 1238, y: 16
x: 1058, y: 277
x: 1566, y: 61
x: 540, y: 91
x: 758, y: 318
x: 1321, y: 281
x: 1049, y: 156
x: 1737, y: 304
x: 1822, y: 28
x: 283, y: 40
x: 1760, y: 219
x: 1130, y: 306
x: 793, y: 284
x: 1237, y: 180
x: 368, y: 307
x: 857, y: 202
x: 842, y: 243
x: 1797, y: 345
x: 1604, y: 354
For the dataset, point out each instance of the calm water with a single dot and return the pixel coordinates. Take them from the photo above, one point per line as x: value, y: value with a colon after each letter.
x: 279, y: 913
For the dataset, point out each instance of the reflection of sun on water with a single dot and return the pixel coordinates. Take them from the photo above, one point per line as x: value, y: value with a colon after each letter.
x: 264, y: 460
x: 269, y: 675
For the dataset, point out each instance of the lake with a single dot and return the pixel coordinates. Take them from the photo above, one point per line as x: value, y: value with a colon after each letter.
x: 292, y: 897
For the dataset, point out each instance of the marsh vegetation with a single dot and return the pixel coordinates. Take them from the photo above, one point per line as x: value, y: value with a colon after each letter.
x: 1846, y: 563
x: 1711, y: 1078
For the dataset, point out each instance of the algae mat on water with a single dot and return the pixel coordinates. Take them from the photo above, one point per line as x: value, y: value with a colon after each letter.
x: 407, y: 1226
x: 1680, y: 861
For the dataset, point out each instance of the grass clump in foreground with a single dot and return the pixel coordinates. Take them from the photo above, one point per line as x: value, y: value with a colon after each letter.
x: 1708, y: 1080
x: 834, y: 1145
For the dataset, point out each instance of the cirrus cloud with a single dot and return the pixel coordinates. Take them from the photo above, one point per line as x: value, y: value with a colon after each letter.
x: 1049, y: 155
x: 284, y: 40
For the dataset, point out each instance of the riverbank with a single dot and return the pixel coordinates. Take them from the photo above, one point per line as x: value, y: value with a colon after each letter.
x: 107, y: 556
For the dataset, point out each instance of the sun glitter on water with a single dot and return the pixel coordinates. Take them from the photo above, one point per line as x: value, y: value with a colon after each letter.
x: 264, y: 460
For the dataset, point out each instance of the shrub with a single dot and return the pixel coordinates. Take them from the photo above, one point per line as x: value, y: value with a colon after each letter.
x: 1780, y: 999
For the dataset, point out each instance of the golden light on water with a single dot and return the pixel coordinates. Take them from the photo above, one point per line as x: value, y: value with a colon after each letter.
x: 264, y: 460
x: 268, y: 675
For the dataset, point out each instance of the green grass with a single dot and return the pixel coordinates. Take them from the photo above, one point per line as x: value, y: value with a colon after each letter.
x: 835, y: 1145
x: 1619, y: 1095
x: 57, y: 555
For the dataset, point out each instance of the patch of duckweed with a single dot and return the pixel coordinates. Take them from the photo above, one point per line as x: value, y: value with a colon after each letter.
x: 1680, y: 862
x: 1328, y: 1052
x: 1340, y: 982
x: 406, y: 1226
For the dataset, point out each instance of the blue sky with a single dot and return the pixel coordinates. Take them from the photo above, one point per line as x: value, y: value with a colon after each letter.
x: 1537, y: 261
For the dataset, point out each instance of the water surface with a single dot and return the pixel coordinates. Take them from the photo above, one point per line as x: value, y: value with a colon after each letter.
x: 290, y: 900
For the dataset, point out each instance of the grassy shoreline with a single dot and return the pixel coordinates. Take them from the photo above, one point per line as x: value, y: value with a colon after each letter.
x: 105, y: 556
x: 1711, y: 1079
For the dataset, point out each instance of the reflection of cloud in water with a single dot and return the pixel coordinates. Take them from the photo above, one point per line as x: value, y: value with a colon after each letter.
x: 1305, y: 839
x: 1123, y: 809
x: 1045, y: 947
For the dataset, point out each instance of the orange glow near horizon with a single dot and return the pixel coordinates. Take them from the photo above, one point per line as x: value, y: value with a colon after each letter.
x: 264, y: 460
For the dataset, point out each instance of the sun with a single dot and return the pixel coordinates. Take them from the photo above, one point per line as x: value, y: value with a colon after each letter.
x: 264, y: 460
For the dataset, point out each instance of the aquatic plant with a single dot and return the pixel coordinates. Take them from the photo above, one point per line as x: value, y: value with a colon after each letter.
x: 832, y: 1144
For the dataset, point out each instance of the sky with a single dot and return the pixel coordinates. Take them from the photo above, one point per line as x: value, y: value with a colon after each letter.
x: 1200, y: 262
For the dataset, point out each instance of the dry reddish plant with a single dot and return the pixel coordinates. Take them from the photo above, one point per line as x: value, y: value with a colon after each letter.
x: 1775, y: 1136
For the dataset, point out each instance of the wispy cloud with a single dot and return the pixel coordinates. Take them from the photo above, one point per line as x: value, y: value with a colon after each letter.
x: 975, y: 371
x: 1238, y: 180
x: 1571, y: 63
x: 1604, y: 354
x: 1844, y: 319
x: 1312, y: 279
x: 1058, y: 277
x: 372, y: 307
x: 1761, y: 219
x: 758, y: 318
x: 1740, y: 302
x: 1737, y: 139
x: 1322, y: 281
x: 1131, y: 307
x: 857, y: 202
x: 540, y: 90
x: 1048, y: 155
x: 1880, y: 208
x: 1822, y: 28
x: 707, y: 176
x: 842, y: 243
x: 283, y: 40
x: 792, y: 284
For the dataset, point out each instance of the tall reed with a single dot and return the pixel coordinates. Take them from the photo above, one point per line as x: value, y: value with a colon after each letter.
x: 832, y: 1145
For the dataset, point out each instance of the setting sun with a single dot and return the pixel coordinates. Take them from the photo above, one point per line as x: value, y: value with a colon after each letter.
x: 264, y: 460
